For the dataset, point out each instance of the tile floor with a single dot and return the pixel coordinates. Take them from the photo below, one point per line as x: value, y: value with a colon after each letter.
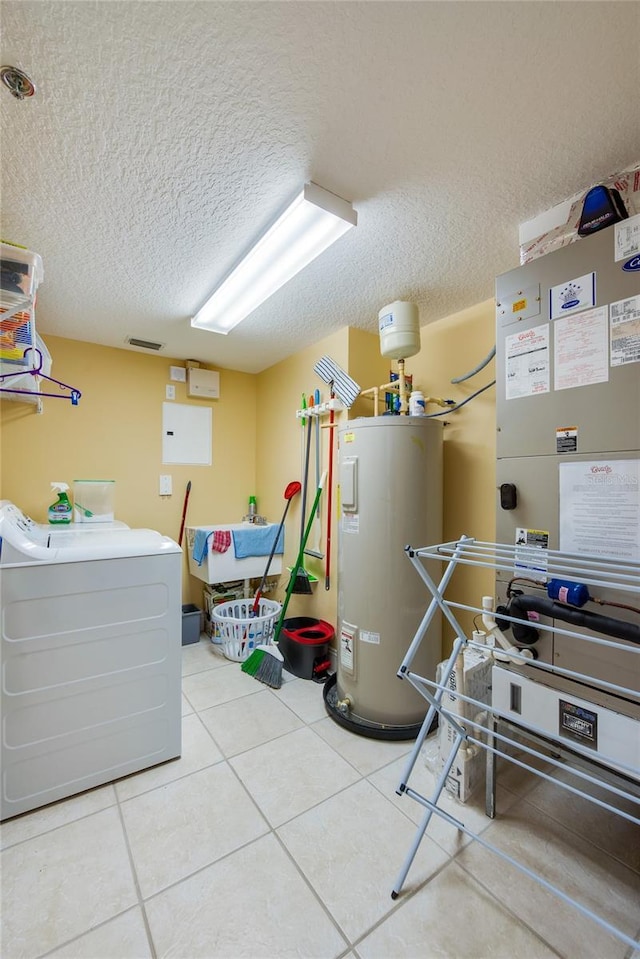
x: 278, y: 834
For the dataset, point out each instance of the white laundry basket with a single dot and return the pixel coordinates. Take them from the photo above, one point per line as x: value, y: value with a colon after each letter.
x: 240, y: 631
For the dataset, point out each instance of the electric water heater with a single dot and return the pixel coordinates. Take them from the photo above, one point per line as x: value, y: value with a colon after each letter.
x: 390, y: 496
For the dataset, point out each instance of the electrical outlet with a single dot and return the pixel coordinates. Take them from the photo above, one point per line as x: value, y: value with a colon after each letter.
x: 170, y: 392
x: 165, y: 484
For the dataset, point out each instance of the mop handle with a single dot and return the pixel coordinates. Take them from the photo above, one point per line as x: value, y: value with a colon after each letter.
x: 256, y: 601
x: 184, y: 512
x: 327, y: 574
x: 292, y: 578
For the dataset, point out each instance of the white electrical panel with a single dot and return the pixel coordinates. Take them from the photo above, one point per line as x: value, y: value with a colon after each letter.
x: 203, y: 384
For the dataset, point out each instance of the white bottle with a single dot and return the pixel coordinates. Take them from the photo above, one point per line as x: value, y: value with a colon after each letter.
x: 417, y: 405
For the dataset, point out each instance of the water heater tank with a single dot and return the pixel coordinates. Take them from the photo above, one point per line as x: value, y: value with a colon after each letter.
x: 399, y: 328
x: 390, y: 474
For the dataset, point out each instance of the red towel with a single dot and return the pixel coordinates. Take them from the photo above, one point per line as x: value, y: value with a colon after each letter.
x: 220, y: 541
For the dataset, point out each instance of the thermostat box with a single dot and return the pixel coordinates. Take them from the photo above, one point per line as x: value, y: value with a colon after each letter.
x: 203, y: 384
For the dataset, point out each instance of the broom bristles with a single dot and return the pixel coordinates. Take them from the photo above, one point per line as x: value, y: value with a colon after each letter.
x: 252, y: 662
x: 301, y: 581
x: 265, y: 665
x: 270, y: 669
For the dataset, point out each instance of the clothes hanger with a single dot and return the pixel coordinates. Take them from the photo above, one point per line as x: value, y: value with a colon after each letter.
x: 74, y: 394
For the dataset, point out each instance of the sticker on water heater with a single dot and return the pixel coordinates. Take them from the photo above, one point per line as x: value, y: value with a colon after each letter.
x: 350, y: 522
x: 572, y: 296
x: 368, y: 637
x: 347, y: 640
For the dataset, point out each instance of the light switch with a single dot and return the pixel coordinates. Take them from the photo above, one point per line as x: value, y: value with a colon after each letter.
x: 170, y: 392
x: 165, y: 484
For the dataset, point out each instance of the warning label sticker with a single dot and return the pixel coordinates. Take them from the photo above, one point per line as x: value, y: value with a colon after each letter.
x: 567, y: 439
x: 531, y: 551
x: 347, y: 637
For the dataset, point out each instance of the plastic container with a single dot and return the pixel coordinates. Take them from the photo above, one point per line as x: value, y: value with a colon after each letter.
x: 93, y: 501
x: 304, y: 642
x: 399, y: 328
x: 239, y: 631
x: 190, y: 624
x: 60, y: 511
x: 20, y: 271
x: 417, y: 406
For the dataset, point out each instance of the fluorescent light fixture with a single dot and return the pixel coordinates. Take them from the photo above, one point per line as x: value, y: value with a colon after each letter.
x: 314, y: 221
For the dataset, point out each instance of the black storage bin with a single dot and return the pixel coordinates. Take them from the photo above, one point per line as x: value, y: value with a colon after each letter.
x: 304, y: 642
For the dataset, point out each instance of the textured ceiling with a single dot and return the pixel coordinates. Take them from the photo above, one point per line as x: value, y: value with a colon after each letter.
x: 164, y: 137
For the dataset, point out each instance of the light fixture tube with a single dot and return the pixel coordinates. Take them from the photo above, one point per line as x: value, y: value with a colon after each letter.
x: 314, y: 221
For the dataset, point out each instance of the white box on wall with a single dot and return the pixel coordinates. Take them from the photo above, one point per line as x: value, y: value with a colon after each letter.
x: 187, y: 432
x: 203, y: 384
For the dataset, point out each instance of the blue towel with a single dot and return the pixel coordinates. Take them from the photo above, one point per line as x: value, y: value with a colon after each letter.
x: 200, y: 543
x: 257, y: 541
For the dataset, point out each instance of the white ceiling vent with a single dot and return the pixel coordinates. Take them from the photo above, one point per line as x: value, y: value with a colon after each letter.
x: 144, y: 344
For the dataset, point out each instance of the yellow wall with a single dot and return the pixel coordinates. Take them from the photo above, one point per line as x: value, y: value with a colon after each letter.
x: 115, y: 432
x: 367, y: 367
x: 450, y: 348
x: 280, y: 451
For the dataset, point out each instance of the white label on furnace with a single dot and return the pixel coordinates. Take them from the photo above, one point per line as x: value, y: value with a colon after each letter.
x: 527, y: 362
x: 350, y: 522
x: 581, y: 349
x: 347, y: 638
x: 368, y: 637
x: 624, y: 322
x: 531, y: 552
x: 572, y: 296
x: 627, y: 238
x: 600, y: 508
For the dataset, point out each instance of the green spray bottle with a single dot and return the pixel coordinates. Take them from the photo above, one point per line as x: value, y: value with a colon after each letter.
x: 60, y: 511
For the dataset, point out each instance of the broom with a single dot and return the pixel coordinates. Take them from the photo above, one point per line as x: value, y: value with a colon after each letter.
x: 301, y: 582
x: 265, y: 662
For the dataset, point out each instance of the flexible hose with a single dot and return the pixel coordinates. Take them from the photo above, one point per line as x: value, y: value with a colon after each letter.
x: 476, y: 369
x: 521, y: 605
x: 459, y: 406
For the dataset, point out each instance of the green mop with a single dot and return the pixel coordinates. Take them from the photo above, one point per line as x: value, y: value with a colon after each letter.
x: 265, y: 662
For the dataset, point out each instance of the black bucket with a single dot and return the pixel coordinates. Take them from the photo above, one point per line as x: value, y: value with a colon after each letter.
x: 304, y: 642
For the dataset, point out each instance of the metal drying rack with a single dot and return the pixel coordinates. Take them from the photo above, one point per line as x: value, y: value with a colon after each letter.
x: 619, y: 780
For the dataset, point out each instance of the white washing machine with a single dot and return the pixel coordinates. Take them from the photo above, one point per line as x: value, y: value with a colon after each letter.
x: 90, y: 657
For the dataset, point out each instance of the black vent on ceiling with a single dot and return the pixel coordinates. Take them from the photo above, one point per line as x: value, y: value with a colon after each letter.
x: 144, y: 344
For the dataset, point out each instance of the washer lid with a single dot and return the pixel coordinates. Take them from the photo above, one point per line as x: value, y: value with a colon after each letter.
x: 23, y: 541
